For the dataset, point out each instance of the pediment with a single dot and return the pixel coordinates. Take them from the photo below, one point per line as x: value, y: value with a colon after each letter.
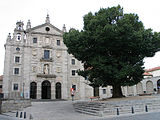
x: 46, y: 28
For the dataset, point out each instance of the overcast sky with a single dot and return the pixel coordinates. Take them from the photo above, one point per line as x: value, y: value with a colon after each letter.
x: 70, y: 13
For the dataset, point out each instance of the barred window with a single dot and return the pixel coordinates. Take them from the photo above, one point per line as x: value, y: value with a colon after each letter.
x: 16, y: 70
x: 34, y: 40
x: 46, y: 54
x: 58, y: 42
x: 17, y: 59
x: 73, y: 61
x: 15, y: 86
x: 73, y: 72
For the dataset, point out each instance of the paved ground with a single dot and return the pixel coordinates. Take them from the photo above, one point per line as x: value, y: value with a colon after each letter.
x: 146, y: 116
x: 63, y: 110
x: 4, y: 117
x: 54, y: 110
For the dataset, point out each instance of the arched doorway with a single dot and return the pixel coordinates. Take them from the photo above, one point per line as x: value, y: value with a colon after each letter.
x: 33, y: 90
x: 139, y: 88
x: 158, y: 86
x: 58, y: 90
x: 46, y: 90
x: 149, y: 87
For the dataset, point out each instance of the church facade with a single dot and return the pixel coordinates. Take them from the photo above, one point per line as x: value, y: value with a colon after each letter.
x: 38, y: 66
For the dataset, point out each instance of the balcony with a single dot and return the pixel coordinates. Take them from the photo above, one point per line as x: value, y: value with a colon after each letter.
x: 47, y: 46
x: 46, y: 75
x: 46, y: 60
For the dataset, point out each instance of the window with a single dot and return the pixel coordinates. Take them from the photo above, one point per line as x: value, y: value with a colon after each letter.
x: 73, y: 72
x: 58, y: 42
x: 17, y: 59
x: 46, y: 54
x: 17, y: 49
x: 0, y: 86
x: 18, y: 36
x: 16, y: 70
x: 34, y: 40
x: 47, y: 29
x: 74, y: 87
x: 104, y: 91
x: 73, y: 61
x: 15, y: 86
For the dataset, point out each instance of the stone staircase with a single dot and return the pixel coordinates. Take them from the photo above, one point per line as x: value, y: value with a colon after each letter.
x: 92, y: 108
x: 105, y: 108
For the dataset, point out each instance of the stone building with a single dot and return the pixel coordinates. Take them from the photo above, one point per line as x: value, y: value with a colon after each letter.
x: 38, y: 66
x: 151, y: 82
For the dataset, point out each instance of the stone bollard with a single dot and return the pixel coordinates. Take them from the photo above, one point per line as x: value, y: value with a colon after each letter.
x: 132, y: 110
x: 17, y: 114
x: 146, y: 108
x: 117, y: 111
x: 24, y: 115
x: 21, y: 115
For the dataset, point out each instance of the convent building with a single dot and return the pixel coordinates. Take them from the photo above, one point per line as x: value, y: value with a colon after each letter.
x: 38, y: 66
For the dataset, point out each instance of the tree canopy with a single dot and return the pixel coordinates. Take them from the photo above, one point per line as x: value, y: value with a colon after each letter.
x: 112, y: 46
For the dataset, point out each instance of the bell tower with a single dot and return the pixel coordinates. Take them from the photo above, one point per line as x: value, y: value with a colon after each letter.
x: 28, y: 25
x: 19, y: 26
x: 19, y: 34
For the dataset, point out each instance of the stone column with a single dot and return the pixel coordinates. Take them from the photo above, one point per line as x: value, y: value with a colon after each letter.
x: 39, y: 90
x: 53, y: 90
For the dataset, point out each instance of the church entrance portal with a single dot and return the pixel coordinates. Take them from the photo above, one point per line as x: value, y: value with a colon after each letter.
x: 58, y: 90
x: 46, y: 90
x: 33, y: 90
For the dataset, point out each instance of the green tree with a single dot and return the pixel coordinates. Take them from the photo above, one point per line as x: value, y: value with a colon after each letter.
x: 112, y: 46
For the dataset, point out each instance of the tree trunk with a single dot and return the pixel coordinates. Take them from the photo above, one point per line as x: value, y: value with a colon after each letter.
x: 117, y: 92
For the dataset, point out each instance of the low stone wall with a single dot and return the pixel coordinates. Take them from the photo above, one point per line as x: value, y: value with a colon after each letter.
x: 11, y: 105
x: 119, y: 106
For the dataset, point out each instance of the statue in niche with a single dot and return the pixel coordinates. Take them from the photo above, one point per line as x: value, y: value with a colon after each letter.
x: 46, y: 69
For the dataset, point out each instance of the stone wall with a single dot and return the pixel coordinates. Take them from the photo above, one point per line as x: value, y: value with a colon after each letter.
x: 11, y: 105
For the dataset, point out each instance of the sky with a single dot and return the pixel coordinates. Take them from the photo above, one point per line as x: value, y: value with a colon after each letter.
x: 70, y: 13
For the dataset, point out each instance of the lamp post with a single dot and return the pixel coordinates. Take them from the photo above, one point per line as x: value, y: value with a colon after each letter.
x: 23, y: 90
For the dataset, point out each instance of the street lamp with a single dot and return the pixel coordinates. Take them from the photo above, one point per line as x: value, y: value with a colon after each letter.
x: 23, y: 90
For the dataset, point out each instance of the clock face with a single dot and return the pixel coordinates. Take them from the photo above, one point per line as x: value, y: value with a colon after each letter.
x: 17, y: 49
